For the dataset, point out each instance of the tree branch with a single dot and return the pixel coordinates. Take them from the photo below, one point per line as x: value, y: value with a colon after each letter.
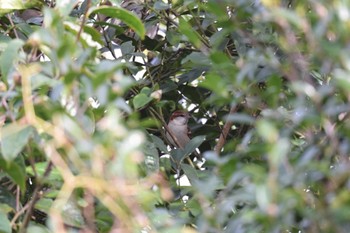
x: 220, y: 144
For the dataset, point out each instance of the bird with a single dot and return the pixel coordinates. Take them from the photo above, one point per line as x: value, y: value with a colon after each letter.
x: 178, y: 129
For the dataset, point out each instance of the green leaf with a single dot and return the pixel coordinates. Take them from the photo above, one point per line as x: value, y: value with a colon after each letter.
x: 14, y: 138
x: 7, y: 197
x: 142, y: 99
x: 215, y: 83
x: 190, y: 33
x: 178, y: 155
x: 127, y: 49
x: 7, y: 6
x: 39, y: 80
x: 159, y: 143
x: 127, y: 17
x: 15, y: 171
x: 95, y: 35
x: 193, y: 144
x: 44, y: 205
x: 267, y: 130
x: 72, y: 214
x: 40, y: 168
x: 160, y: 5
x: 9, y: 56
x: 4, y: 40
x: 190, y: 172
x: 37, y: 229
x: 5, y: 226
x: 241, y: 118
x: 151, y: 156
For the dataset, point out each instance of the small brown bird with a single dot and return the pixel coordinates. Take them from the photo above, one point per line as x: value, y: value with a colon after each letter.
x: 178, y: 128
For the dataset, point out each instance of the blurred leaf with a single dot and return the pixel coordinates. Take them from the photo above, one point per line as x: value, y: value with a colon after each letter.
x: 141, y: 100
x: 9, y: 56
x: 151, y: 156
x: 7, y: 6
x: 240, y: 118
x: 190, y: 33
x: 40, y: 168
x: 42, y: 80
x: 16, y: 171
x: 159, y: 143
x: 72, y: 214
x: 213, y: 82
x: 5, y: 226
x: 7, y: 197
x: 160, y: 5
x: 279, y: 151
x: 267, y: 130
x: 37, y: 229
x: 13, y: 139
x: 126, y: 16
x: 44, y: 205
x: 198, y: 59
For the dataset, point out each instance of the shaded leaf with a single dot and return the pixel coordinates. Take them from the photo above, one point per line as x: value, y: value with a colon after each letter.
x: 9, y: 56
x: 178, y: 155
x: 72, y: 214
x: 193, y: 144
x: 5, y: 226
x: 151, y: 157
x: 37, y: 229
x: 159, y: 143
x: 190, y: 172
x: 7, y: 197
x: 44, y: 205
x: 15, y: 171
x: 240, y: 118
x: 14, y: 138
x: 40, y: 168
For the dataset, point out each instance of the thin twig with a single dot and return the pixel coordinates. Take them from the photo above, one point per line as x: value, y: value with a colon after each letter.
x: 35, y: 198
x: 13, y: 26
x: 220, y: 144
x: 84, y: 19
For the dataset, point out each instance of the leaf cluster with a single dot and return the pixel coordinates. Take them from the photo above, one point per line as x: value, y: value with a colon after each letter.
x: 87, y: 88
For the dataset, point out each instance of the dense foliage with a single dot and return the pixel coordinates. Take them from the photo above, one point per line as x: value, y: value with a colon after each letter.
x: 88, y: 86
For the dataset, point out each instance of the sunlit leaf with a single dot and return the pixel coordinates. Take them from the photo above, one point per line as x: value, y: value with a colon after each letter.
x: 40, y: 168
x: 141, y: 100
x: 190, y: 33
x: 126, y: 16
x: 7, y: 6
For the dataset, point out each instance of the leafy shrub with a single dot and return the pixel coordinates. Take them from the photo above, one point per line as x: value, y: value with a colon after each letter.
x: 87, y: 88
